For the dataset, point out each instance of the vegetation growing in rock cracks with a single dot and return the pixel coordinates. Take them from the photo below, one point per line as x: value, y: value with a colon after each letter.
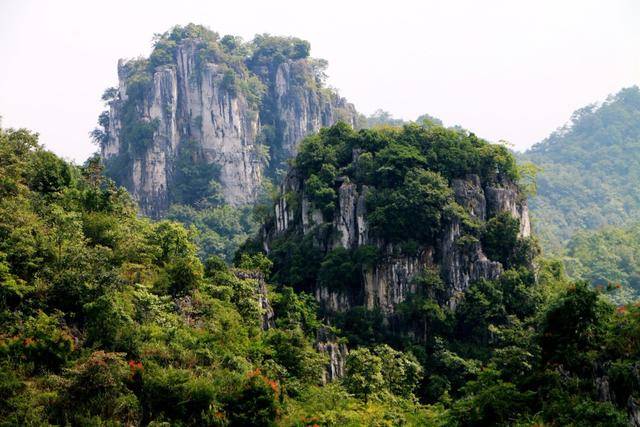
x: 107, y: 318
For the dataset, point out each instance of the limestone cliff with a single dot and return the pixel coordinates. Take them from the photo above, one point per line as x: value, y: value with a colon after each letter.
x: 388, y: 283
x: 455, y: 253
x: 203, y: 108
x: 337, y: 353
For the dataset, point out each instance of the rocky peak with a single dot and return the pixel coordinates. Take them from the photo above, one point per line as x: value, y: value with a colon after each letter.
x: 233, y: 114
x: 455, y: 253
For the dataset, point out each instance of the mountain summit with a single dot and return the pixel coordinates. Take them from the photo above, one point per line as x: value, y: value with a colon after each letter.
x: 209, y: 117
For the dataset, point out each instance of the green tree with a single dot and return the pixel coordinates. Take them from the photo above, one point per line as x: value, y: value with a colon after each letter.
x: 363, y: 373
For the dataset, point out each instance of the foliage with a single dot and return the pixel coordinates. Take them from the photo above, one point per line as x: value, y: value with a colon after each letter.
x: 607, y: 258
x: 500, y: 237
x: 384, y: 118
x: 525, y: 347
x: 194, y: 181
x: 220, y: 230
x: 107, y: 318
x: 363, y: 376
x: 409, y: 167
x: 589, y: 170
x: 415, y: 211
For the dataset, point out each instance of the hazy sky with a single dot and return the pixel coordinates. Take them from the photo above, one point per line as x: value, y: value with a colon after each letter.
x: 512, y: 70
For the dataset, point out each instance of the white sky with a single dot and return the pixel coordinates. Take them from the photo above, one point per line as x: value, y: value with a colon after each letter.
x: 512, y: 70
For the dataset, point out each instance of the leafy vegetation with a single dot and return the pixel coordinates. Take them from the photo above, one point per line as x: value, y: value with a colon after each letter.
x: 111, y: 319
x: 384, y: 118
x: 589, y: 171
x: 608, y: 258
x: 586, y: 204
x: 107, y: 318
x: 219, y: 229
x: 527, y: 348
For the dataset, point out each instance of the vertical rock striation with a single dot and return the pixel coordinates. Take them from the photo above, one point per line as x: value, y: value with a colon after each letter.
x: 337, y: 353
x: 389, y: 281
x: 209, y: 107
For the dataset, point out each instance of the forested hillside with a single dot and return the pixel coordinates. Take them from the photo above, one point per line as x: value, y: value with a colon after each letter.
x: 590, y: 171
x: 607, y: 258
x: 111, y: 319
x: 365, y: 220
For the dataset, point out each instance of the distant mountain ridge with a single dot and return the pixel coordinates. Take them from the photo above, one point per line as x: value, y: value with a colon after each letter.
x: 590, y: 171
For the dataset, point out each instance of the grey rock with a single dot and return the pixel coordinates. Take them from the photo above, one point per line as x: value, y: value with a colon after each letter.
x: 459, y: 259
x: 506, y: 198
x: 337, y: 352
x: 463, y: 264
x: 191, y: 103
x: 633, y: 407
x: 469, y: 194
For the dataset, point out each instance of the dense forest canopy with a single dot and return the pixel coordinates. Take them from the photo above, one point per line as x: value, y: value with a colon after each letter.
x: 589, y: 170
x: 497, y: 358
x: 107, y: 318
x: 587, y: 200
x: 111, y: 319
x: 607, y: 258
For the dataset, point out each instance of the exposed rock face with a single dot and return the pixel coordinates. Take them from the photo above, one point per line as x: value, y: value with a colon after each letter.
x: 507, y: 199
x: 301, y: 109
x: 463, y: 264
x: 386, y: 284
x: 190, y: 101
x: 469, y: 195
x: 603, y: 389
x: 389, y: 283
x: 337, y: 352
x: 267, y: 321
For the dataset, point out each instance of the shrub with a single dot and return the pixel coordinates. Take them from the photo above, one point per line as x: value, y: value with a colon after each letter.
x: 256, y: 403
x: 98, y: 387
x: 43, y: 342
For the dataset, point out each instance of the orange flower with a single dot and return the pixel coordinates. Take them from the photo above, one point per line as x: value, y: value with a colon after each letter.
x: 135, y: 366
x: 273, y: 385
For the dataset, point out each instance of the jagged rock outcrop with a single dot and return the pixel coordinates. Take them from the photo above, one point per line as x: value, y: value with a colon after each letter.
x: 267, y: 313
x: 508, y: 199
x: 459, y: 260
x: 302, y: 109
x: 336, y: 351
x: 389, y: 283
x: 205, y: 106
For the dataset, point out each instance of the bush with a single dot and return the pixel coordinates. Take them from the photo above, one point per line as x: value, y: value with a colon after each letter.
x: 339, y: 270
x: 292, y: 350
x: 256, y: 403
x: 363, y: 373
x: 98, y: 387
x: 177, y: 395
x: 414, y: 211
x: 184, y: 274
x: 43, y: 342
x: 48, y: 173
